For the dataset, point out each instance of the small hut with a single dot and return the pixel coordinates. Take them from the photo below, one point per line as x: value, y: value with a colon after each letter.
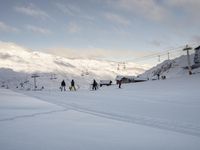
x: 130, y: 79
x: 125, y: 79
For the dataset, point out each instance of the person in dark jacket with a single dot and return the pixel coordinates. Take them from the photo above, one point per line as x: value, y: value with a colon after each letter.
x: 63, y: 85
x: 72, y: 87
x: 119, y: 82
x: 94, y: 85
x: 158, y: 75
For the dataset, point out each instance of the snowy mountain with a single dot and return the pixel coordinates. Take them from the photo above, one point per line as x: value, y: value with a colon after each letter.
x: 171, y: 68
x: 152, y: 115
x: 18, y: 64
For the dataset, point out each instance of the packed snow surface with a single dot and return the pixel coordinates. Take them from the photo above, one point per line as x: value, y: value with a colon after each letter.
x: 151, y: 115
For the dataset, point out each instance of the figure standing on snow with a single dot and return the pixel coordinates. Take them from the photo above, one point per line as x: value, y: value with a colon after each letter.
x: 63, y: 85
x: 158, y: 75
x: 94, y: 85
x: 119, y: 82
x: 72, y: 86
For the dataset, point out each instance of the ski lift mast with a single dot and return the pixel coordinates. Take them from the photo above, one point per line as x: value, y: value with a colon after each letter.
x: 187, y: 48
x: 34, y: 76
x: 53, y: 76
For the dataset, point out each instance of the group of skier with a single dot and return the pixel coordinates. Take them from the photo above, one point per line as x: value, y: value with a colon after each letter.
x: 63, y: 85
x: 73, y: 88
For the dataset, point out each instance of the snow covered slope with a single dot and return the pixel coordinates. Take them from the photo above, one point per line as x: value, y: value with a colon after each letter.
x: 171, y: 68
x: 139, y: 116
x: 24, y: 62
x: 17, y: 64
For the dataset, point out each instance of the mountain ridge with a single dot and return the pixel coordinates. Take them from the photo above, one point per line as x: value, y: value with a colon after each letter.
x: 25, y: 61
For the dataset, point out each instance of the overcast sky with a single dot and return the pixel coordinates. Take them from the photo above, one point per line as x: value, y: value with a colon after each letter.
x: 95, y: 28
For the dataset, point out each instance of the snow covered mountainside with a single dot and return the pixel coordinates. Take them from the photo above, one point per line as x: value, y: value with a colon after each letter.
x: 18, y: 63
x: 171, y: 68
x: 154, y: 115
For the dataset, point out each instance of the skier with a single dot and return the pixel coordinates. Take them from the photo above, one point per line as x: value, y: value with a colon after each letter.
x: 63, y: 85
x: 158, y: 75
x: 119, y: 82
x: 72, y: 85
x: 94, y: 85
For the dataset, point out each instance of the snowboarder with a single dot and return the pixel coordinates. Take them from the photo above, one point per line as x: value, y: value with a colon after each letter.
x: 72, y: 86
x: 94, y: 85
x: 63, y: 86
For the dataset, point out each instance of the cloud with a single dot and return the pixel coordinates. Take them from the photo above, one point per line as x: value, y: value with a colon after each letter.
x: 97, y: 53
x: 73, y: 10
x: 5, y: 56
x: 68, y: 9
x: 150, y: 9
x: 32, y: 10
x: 190, y: 8
x: 117, y: 19
x: 156, y: 43
x: 38, y: 30
x: 73, y: 27
x: 196, y: 39
x: 6, y: 28
x: 159, y: 10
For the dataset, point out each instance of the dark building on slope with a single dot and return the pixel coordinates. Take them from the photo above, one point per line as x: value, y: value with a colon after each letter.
x: 130, y: 79
x: 197, y: 55
x: 196, y: 58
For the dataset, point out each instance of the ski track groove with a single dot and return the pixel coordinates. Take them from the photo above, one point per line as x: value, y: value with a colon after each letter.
x: 32, y: 115
x: 185, y: 128
x: 180, y: 127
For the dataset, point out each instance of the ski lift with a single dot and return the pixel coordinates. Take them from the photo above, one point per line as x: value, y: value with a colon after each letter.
x: 27, y: 81
x: 53, y: 76
x: 82, y: 74
x: 34, y: 76
x: 124, y: 65
x: 158, y: 58
x: 87, y: 73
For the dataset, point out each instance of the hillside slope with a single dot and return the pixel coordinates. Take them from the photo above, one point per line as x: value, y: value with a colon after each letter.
x: 19, y: 63
x: 171, y: 68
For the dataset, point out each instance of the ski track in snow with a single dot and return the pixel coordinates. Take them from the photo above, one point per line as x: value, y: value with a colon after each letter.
x: 180, y: 127
x: 32, y: 115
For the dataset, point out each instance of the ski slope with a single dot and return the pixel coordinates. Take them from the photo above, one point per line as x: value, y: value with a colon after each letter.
x: 171, y: 68
x: 151, y: 115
